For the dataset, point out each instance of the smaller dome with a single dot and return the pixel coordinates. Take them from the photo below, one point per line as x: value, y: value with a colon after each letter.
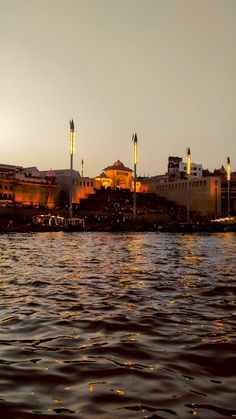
x: 118, y: 163
x: 102, y: 176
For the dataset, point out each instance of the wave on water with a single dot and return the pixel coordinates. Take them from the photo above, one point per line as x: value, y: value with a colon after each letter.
x: 117, y: 325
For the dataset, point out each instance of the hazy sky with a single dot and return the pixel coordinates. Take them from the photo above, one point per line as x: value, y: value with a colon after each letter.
x: 165, y: 69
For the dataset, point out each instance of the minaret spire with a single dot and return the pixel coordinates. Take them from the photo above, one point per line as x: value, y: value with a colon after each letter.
x: 82, y: 167
x: 228, y: 174
x: 188, y: 173
x: 135, y: 140
x: 72, y: 145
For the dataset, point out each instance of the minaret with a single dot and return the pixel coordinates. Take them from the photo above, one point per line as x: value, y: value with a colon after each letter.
x: 228, y: 171
x: 82, y: 168
x: 135, y: 140
x: 72, y: 145
x: 188, y: 162
x: 188, y: 173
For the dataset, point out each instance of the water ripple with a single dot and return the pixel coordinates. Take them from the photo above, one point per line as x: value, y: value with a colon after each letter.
x: 117, y: 325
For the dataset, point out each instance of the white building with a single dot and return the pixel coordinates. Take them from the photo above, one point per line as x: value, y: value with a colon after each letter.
x: 196, y: 169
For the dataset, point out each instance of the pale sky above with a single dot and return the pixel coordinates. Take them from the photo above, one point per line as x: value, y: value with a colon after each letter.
x: 165, y: 69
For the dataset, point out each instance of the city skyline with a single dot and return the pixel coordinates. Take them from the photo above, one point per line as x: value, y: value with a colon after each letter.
x: 163, y: 69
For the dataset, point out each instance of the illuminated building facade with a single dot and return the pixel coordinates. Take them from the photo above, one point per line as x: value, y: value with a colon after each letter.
x: 204, y: 193
x: 18, y: 186
x: 116, y: 176
x: 177, y: 169
x: 228, y: 190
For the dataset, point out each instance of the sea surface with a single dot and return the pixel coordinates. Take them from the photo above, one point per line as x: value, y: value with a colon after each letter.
x: 117, y: 325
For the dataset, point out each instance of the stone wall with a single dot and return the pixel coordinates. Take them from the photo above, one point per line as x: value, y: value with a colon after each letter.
x: 204, y: 194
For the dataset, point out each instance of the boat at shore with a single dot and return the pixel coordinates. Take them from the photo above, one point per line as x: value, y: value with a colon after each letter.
x: 53, y: 223
x: 44, y: 223
x: 48, y: 222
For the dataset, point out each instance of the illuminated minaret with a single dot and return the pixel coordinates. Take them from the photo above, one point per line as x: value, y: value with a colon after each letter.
x: 135, y: 140
x: 228, y: 171
x: 188, y: 162
x: 82, y: 168
x: 72, y: 150
x: 188, y: 173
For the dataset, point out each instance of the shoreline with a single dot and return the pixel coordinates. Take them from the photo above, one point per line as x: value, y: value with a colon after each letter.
x: 174, y: 228
x: 20, y: 220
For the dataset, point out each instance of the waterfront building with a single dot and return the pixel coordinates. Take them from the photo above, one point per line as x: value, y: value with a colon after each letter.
x: 225, y: 198
x: 195, y: 169
x: 204, y: 193
x: 31, y: 187
x: 116, y: 176
x: 25, y: 186
x: 177, y: 169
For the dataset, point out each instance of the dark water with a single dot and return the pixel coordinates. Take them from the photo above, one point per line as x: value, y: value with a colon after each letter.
x: 116, y: 325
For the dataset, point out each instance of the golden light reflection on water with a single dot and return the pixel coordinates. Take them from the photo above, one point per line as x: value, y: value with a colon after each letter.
x: 219, y: 324
x: 189, y: 281
x: 120, y: 392
x: 173, y: 319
